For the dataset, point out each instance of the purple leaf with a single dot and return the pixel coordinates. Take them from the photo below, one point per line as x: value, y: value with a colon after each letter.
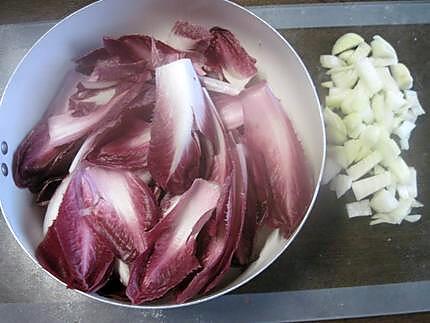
x: 226, y: 52
x: 174, y: 152
x: 124, y: 146
x: 132, y: 210
x: 174, y: 244
x: 36, y: 159
x: 279, y: 157
x: 71, y: 250
x: 132, y: 48
x: 224, y: 230
x: 230, y: 109
x: 187, y: 36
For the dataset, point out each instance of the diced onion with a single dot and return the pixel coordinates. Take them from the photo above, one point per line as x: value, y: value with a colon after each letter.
x: 369, y: 102
x: 331, y: 61
x: 341, y: 184
x: 331, y: 169
x: 345, y: 42
x: 413, y: 218
x: 383, y: 201
x: 402, y: 76
x: 367, y: 72
x: 361, y: 168
x: 361, y: 208
x: 370, y: 185
x: 381, y: 48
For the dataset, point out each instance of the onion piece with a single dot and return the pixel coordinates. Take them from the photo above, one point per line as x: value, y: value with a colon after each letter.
x: 344, y: 55
x: 398, y: 168
x: 412, y: 218
x: 364, y: 166
x: 402, y: 76
x: 331, y: 169
x: 328, y: 84
x: 331, y: 61
x: 381, y: 48
x: 345, y: 42
x: 345, y: 78
x: 341, y: 184
x: 361, y: 208
x: 383, y: 201
x: 404, y: 130
x: 370, y: 185
x: 412, y: 99
x: 362, y: 51
x: 336, y: 97
x: 336, y: 130
x: 367, y: 72
x: 416, y: 204
x: 389, y: 84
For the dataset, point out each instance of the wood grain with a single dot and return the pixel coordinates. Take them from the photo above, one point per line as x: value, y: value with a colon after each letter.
x: 18, y: 11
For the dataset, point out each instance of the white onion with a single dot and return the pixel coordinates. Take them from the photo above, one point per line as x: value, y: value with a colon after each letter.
x: 369, y: 101
x: 341, y: 184
x: 383, y: 201
x: 370, y: 185
x: 345, y: 42
x: 331, y: 169
x: 361, y: 208
x: 402, y: 76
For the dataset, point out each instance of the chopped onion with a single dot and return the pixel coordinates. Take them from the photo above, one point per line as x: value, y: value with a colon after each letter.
x: 413, y: 218
x: 328, y: 84
x: 383, y: 201
x: 388, y: 83
x: 404, y: 130
x: 339, y: 154
x: 412, y: 99
x: 331, y: 61
x: 341, y: 184
x: 370, y: 185
x: 416, y: 204
x: 394, y: 100
x: 344, y: 55
x: 345, y: 42
x: 354, y: 124
x: 402, y: 76
x: 345, y: 79
x: 381, y: 48
x: 361, y: 208
x: 370, y: 136
x: 367, y: 72
x: 370, y: 94
x: 398, y: 168
x: 331, y: 169
x: 363, y: 50
x: 336, y: 130
x: 361, y: 168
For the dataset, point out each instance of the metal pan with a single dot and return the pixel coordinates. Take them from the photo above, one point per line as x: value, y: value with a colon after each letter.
x: 37, y: 78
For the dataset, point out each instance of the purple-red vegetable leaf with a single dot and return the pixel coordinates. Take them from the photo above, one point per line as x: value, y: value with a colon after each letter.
x: 132, y: 212
x: 71, y: 250
x: 226, y: 52
x: 174, y: 245
x: 124, y: 146
x: 174, y: 152
x: 278, y: 158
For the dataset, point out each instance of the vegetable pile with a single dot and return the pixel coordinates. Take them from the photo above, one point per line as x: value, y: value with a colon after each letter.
x: 160, y: 164
x: 370, y: 113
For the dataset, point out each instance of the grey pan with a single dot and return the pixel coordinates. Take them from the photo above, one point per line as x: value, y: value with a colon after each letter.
x: 37, y: 77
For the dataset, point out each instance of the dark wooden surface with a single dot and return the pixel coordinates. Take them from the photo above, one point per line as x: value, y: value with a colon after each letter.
x: 331, y: 251
x: 18, y: 11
